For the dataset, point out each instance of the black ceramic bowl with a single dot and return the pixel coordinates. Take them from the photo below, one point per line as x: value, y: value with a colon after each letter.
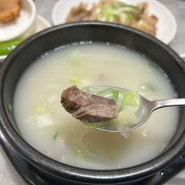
x: 26, y: 53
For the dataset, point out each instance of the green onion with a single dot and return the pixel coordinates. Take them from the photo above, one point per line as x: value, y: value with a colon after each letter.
x: 127, y: 117
x: 75, y: 63
x: 150, y: 87
x: 109, y: 93
x: 95, y: 125
x: 79, y: 155
x: 129, y: 18
x: 118, y: 12
x: 41, y: 109
x: 129, y: 8
x: 130, y: 98
x: 75, y: 79
x: 9, y: 107
x: 55, y: 135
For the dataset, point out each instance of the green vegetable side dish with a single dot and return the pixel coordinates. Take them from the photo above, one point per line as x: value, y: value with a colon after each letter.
x: 127, y: 103
x: 8, y: 46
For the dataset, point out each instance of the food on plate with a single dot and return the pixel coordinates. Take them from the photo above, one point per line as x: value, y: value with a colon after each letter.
x: 136, y: 16
x: 9, y: 10
x: 8, y: 46
x: 87, y: 107
x: 183, y: 58
x: 60, y: 136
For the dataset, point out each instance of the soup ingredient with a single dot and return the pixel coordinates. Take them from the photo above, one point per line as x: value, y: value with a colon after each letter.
x: 9, y: 10
x: 124, y: 100
x: 55, y: 135
x: 9, y: 107
x: 127, y: 104
x: 8, y: 46
x: 117, y: 12
x: 86, y: 107
x: 126, y: 117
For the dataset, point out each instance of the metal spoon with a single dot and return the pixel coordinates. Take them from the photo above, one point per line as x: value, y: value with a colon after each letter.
x: 145, y: 110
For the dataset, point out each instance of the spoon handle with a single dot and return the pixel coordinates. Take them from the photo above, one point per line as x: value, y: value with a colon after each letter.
x: 168, y: 103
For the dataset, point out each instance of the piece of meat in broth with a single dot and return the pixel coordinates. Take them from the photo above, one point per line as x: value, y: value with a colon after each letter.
x: 86, y: 107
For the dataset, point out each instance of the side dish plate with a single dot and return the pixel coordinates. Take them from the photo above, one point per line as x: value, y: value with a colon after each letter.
x: 40, y: 24
x: 23, y: 25
x: 166, y: 26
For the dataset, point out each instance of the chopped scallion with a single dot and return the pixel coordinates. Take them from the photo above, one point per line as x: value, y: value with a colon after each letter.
x: 9, y: 107
x: 55, y: 135
x: 41, y: 109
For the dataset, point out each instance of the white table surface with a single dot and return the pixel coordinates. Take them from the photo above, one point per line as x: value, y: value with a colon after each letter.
x: 9, y: 176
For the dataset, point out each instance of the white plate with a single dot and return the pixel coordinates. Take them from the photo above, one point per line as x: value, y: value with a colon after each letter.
x: 21, y: 26
x: 40, y: 24
x: 183, y: 56
x: 166, y: 26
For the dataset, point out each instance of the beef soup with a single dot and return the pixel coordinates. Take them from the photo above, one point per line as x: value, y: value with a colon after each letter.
x: 49, y: 128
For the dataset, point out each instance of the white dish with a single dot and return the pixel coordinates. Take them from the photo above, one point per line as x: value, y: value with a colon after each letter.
x: 21, y: 26
x: 166, y: 26
x: 40, y: 24
x: 183, y: 56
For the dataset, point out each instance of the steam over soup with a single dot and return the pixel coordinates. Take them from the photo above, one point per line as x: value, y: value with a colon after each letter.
x: 53, y: 131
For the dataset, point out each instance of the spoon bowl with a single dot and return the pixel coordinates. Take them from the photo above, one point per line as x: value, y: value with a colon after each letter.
x: 146, y: 107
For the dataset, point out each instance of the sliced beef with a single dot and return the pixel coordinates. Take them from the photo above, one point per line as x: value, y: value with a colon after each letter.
x: 86, y: 107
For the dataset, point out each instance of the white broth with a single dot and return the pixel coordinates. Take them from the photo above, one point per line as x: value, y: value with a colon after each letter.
x: 46, y: 125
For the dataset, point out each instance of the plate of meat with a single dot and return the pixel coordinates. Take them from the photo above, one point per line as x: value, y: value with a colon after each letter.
x: 149, y: 16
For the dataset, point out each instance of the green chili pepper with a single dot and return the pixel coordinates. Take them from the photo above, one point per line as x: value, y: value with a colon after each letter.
x: 8, y: 46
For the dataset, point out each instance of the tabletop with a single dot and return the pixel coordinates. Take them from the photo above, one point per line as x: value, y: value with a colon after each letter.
x: 8, y: 174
